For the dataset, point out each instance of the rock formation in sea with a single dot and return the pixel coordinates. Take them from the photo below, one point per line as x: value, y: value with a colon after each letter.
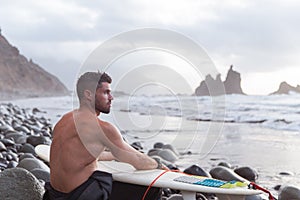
x: 215, y: 87
x: 21, y: 77
x: 285, y: 88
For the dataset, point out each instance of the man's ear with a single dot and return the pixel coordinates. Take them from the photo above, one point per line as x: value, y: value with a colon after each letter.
x: 88, y: 94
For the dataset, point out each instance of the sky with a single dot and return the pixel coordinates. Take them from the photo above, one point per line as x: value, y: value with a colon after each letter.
x: 260, y: 38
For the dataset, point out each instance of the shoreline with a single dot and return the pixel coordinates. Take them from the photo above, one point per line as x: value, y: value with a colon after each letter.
x: 231, y: 148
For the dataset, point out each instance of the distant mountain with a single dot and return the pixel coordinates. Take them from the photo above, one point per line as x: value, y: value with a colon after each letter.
x: 21, y: 77
x: 285, y: 88
x: 231, y: 85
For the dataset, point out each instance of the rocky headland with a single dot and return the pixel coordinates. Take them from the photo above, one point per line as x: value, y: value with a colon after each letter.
x: 21, y: 77
x: 285, y: 88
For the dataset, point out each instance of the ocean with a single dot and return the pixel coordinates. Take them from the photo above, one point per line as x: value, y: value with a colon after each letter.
x: 262, y: 132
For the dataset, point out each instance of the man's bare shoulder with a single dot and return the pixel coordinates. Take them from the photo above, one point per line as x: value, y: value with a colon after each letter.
x: 107, y: 126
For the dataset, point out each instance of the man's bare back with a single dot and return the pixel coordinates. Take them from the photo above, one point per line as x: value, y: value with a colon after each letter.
x: 71, y: 163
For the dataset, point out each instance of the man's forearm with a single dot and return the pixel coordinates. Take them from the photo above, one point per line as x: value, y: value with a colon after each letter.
x: 106, y: 156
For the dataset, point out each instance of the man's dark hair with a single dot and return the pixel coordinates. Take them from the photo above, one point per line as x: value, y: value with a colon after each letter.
x: 91, y: 81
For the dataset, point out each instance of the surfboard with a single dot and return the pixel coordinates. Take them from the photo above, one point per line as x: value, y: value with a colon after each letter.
x: 187, y: 184
x: 43, y: 151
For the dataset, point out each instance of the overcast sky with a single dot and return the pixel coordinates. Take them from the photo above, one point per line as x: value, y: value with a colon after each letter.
x: 260, y: 38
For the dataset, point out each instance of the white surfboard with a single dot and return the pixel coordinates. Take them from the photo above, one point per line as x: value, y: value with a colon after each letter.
x: 126, y: 173
x: 43, y: 151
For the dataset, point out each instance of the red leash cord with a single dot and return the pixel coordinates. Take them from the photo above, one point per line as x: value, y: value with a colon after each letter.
x: 151, y: 184
x: 255, y: 186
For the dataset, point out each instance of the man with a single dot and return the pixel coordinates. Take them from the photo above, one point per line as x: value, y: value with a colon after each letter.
x: 79, y: 141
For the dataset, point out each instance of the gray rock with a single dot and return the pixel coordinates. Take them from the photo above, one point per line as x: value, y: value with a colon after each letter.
x: 253, y: 197
x: 41, y: 174
x: 153, y: 152
x: 27, y: 148
x: 26, y: 155
x: 7, y: 142
x: 36, y: 140
x: 200, y: 196
x: 175, y: 197
x: 223, y: 173
x: 247, y: 173
x: 225, y: 164
x: 196, y: 170
x: 19, y: 138
x: 32, y: 163
x: 286, y: 173
x: 289, y: 193
x: 2, y: 147
x: 19, y: 184
x: 170, y: 147
x: 12, y: 164
x: 158, y: 145
x: 163, y: 161
x: 167, y: 155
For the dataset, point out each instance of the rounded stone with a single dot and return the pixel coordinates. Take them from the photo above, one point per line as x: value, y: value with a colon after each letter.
x: 17, y: 183
x: 12, y: 164
x: 175, y: 197
x: 225, y: 164
x: 7, y: 142
x: 223, y: 173
x: 2, y: 147
x: 170, y: 147
x: 196, y: 170
x: 286, y: 173
x: 289, y: 193
x: 253, y: 197
x: 19, y: 138
x: 137, y: 145
x: 36, y: 140
x: 27, y: 148
x: 153, y: 152
x: 158, y: 145
x: 41, y: 174
x: 32, y: 163
x: 26, y: 155
x: 167, y: 155
x: 247, y: 173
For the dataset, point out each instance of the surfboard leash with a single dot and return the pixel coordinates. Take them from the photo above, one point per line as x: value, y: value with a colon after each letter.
x: 152, y: 183
x: 257, y: 187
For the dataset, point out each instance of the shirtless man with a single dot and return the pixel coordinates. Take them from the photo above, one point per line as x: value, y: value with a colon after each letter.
x: 79, y: 141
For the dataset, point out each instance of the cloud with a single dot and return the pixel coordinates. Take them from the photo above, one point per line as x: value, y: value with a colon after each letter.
x: 256, y: 36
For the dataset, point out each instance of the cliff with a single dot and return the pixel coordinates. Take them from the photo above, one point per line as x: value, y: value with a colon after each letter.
x: 22, y: 78
x: 285, y: 88
x: 231, y: 85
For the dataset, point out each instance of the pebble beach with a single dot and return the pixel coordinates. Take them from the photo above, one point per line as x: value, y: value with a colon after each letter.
x: 267, y: 156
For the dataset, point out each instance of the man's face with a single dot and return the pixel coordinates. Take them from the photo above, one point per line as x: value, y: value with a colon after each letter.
x: 103, y: 98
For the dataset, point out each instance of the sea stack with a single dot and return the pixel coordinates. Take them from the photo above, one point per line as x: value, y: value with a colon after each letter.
x: 215, y: 87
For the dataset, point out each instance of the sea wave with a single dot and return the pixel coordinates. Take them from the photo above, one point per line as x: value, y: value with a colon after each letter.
x: 280, y: 112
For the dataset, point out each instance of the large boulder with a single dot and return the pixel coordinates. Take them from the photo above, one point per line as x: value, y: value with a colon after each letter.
x: 19, y: 184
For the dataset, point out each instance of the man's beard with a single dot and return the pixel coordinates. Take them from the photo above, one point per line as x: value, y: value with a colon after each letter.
x: 102, y: 109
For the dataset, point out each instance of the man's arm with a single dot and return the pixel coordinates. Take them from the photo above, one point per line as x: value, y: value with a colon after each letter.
x: 106, y: 156
x: 123, y: 151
